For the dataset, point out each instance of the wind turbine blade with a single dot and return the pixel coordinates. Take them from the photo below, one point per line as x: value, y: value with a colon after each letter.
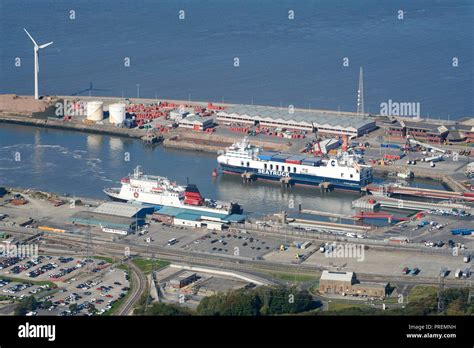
x: 46, y: 45
x: 26, y: 31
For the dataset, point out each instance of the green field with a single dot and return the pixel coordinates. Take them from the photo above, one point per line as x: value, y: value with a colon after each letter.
x: 337, y: 306
x: 289, y: 277
x: 421, y: 291
x: 104, y: 258
x: 146, y: 265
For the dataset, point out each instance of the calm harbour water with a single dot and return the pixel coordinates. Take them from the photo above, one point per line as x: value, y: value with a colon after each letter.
x: 282, y: 61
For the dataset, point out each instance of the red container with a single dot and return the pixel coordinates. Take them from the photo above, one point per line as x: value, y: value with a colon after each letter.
x: 292, y: 161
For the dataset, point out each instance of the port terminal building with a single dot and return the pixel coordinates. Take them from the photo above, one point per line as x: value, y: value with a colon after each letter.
x: 120, y: 217
x: 194, y: 218
x: 196, y: 123
x: 331, y: 124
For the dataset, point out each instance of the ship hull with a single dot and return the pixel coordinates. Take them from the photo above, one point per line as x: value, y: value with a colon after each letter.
x: 296, y: 179
x: 151, y: 200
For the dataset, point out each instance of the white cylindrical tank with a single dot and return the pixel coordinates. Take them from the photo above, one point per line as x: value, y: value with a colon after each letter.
x: 116, y: 113
x: 95, y: 111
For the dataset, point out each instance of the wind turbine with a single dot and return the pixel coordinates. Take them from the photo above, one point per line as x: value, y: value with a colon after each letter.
x: 36, y: 49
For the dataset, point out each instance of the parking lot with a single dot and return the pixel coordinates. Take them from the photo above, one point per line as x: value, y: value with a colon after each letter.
x: 434, y: 230
x: 48, y: 268
x: 79, y: 286
x: 96, y: 293
x: 236, y: 244
x: 159, y: 234
x: 376, y: 262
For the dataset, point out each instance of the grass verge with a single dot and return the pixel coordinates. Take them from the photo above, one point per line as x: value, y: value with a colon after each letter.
x: 290, y: 277
x: 146, y: 265
x: 104, y: 258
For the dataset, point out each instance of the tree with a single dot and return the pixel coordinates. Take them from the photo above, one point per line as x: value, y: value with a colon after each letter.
x: 26, y: 305
x: 162, y: 309
x: 280, y: 300
x: 260, y: 301
x: 46, y: 304
x: 73, y: 307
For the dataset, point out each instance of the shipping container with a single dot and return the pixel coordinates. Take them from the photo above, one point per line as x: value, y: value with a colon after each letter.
x: 267, y: 155
x: 311, y: 162
x: 280, y: 157
x: 295, y: 159
x: 392, y: 157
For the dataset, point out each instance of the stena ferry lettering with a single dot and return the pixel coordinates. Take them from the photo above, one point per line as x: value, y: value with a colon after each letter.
x: 273, y: 172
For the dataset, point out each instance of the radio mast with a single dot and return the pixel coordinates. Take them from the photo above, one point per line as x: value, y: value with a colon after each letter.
x: 360, y: 94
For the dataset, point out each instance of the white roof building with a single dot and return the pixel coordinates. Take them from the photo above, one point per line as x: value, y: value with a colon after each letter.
x: 337, y: 276
x: 324, y: 122
x: 118, y: 209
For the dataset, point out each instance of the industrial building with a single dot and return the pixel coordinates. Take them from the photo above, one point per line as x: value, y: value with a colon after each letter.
x: 461, y: 133
x: 346, y: 283
x: 188, y: 220
x: 183, y: 279
x: 396, y: 129
x: 434, y: 133
x: 320, y: 122
x: 113, y: 216
x: 423, y: 131
x: 196, y: 123
x: 195, y: 218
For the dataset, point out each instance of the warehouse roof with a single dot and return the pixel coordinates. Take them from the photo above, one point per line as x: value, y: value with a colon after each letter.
x: 456, y: 135
x: 118, y: 209
x: 234, y: 218
x: 430, y: 127
x: 397, y: 124
x: 188, y: 216
x: 308, y: 117
x: 174, y: 211
x: 462, y: 127
x: 93, y: 218
x: 337, y: 276
x: 196, y: 120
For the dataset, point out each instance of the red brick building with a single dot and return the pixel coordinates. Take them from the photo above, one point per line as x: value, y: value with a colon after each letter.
x: 433, y: 133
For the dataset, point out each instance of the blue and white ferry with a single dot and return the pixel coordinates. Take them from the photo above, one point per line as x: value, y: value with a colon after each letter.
x: 343, y: 172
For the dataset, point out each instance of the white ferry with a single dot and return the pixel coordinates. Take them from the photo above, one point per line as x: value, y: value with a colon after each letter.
x: 160, y: 191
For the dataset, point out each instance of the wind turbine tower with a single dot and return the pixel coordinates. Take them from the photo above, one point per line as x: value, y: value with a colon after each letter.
x: 360, y: 94
x: 36, y: 49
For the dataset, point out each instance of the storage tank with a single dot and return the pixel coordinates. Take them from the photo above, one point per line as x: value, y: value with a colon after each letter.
x: 116, y: 113
x: 95, y: 111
